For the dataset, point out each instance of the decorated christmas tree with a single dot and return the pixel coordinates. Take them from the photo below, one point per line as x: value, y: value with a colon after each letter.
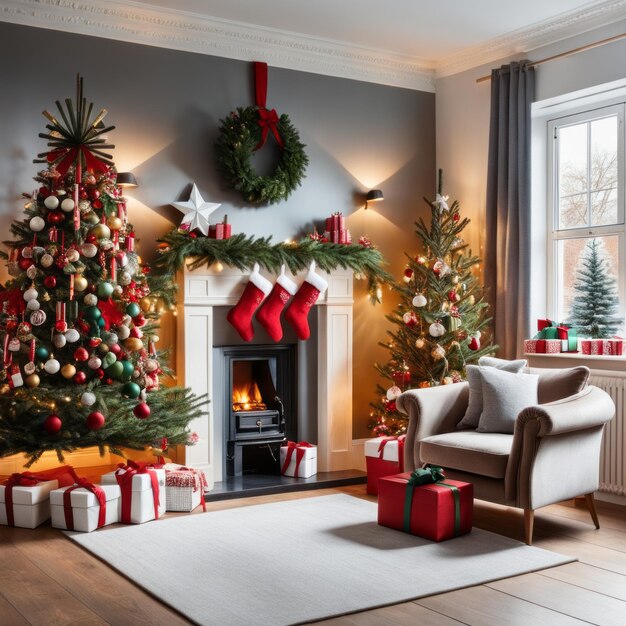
x: 595, y: 306
x: 437, y: 325
x: 78, y: 326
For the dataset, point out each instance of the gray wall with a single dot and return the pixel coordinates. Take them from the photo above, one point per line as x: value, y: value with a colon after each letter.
x: 166, y: 106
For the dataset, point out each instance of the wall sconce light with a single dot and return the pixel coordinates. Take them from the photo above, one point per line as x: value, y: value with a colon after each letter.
x: 373, y: 195
x: 126, y: 180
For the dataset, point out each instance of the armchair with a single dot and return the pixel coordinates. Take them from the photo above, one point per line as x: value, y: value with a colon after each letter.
x: 553, y: 454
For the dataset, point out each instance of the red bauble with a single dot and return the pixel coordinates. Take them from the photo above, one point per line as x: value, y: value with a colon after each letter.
x: 142, y: 411
x: 44, y: 191
x: 135, y: 333
x: 52, y: 424
x: 24, y: 264
x: 408, y: 272
x: 474, y: 344
x: 108, y: 381
x: 60, y: 326
x: 55, y: 217
x: 94, y: 342
x: 50, y: 281
x: 83, y: 195
x: 91, y: 239
x: 96, y: 204
x: 115, y: 349
x: 139, y: 320
x: 456, y: 217
x: 81, y: 354
x: 11, y: 325
x: 193, y: 235
x: 94, y: 194
x: 99, y: 373
x: 95, y: 421
x: 80, y: 378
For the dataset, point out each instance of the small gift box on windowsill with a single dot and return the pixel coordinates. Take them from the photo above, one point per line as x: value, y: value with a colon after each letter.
x: 542, y: 346
x: 384, y: 456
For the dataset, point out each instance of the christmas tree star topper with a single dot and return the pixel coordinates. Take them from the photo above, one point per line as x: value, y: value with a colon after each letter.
x: 196, y: 211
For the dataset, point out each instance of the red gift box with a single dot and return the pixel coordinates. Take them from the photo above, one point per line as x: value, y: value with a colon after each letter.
x: 614, y: 347
x: 436, y: 511
x: 222, y: 230
x: 593, y: 347
x: 542, y: 346
x: 384, y: 456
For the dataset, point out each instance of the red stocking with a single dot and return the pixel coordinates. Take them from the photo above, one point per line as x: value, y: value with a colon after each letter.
x: 298, y: 311
x: 269, y: 312
x: 240, y: 316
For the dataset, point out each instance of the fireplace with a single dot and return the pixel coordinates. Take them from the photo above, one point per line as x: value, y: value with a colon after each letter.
x: 258, y: 405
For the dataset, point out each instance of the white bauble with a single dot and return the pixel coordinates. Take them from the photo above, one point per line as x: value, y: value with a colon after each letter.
x: 27, y: 252
x: 30, y: 294
x: 94, y: 362
x: 31, y: 272
x: 72, y: 335
x: 393, y: 393
x: 52, y: 366
x: 118, y: 291
x: 88, y: 398
x: 89, y: 250
x: 73, y: 255
x: 47, y: 260
x: 36, y: 224
x: 150, y: 365
x: 124, y: 278
x: 59, y: 340
x: 419, y: 300
x: 419, y: 343
x: 51, y: 202
x: 90, y: 299
x: 33, y: 305
x: 60, y: 192
x: 111, y: 339
x: 155, y: 338
x: 123, y: 332
x: 436, y: 329
x: 67, y: 205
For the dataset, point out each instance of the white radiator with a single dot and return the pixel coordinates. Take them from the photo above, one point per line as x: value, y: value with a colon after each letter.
x: 612, y: 465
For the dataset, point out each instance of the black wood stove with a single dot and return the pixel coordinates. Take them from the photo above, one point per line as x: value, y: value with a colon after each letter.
x: 259, y: 402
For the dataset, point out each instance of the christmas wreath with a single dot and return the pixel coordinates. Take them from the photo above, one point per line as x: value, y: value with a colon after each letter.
x: 240, y: 134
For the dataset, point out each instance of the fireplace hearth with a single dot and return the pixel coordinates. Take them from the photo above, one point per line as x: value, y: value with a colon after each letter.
x: 258, y: 406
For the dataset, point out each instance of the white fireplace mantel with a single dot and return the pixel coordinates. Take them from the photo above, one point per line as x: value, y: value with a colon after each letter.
x: 205, y: 288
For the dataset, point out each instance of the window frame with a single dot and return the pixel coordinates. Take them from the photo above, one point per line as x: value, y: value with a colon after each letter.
x: 554, y: 234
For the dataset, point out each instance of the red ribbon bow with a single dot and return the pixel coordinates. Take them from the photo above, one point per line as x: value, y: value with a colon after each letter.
x: 400, y: 439
x: 68, y: 156
x: 268, y: 118
x: 67, y: 502
x: 125, y: 481
x: 299, y: 447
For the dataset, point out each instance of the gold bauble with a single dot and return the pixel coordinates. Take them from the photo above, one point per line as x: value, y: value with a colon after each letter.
x: 114, y: 222
x: 68, y: 371
x: 32, y: 381
x: 80, y: 283
x: 101, y: 231
x: 132, y: 344
x: 103, y: 348
x: 4, y: 389
x: 91, y: 218
x: 145, y: 304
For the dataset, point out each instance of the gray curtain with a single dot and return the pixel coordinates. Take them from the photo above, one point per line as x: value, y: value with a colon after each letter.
x: 507, y: 246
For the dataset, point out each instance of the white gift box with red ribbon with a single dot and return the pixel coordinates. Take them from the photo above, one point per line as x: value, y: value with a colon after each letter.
x: 79, y: 508
x: 26, y: 506
x: 298, y: 459
x: 184, y: 487
x: 143, y: 495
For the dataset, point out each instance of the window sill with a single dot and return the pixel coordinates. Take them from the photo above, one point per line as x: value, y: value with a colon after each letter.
x: 578, y: 356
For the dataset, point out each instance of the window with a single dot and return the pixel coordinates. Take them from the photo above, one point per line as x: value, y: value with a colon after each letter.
x: 586, y: 169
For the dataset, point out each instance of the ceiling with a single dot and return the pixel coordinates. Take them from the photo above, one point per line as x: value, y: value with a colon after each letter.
x: 405, y: 43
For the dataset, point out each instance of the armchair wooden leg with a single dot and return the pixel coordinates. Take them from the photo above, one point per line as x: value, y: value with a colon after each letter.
x: 591, y: 505
x: 529, y: 519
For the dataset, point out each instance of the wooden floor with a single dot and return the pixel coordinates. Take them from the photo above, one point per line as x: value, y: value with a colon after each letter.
x: 46, y: 579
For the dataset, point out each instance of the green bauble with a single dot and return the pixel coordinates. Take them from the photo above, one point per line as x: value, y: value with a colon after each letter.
x: 133, y: 309
x: 92, y: 314
x: 42, y: 353
x: 131, y: 390
x: 108, y: 359
x: 101, y: 322
x: 105, y: 290
x: 116, y: 370
x: 129, y: 368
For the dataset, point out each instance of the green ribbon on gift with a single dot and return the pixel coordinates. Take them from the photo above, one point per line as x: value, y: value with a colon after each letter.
x: 429, y: 476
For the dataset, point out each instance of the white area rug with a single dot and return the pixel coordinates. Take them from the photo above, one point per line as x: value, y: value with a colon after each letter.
x: 300, y: 560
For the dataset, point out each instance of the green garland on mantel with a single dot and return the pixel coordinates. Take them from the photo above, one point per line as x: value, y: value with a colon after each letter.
x: 242, y: 252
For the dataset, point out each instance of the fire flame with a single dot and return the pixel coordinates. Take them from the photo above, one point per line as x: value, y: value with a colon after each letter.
x: 248, y: 398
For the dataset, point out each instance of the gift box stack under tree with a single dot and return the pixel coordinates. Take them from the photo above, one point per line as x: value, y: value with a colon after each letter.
x: 425, y: 503
x: 384, y: 456
x: 336, y: 231
x: 142, y: 489
x: 184, y: 487
x: 85, y: 506
x: 298, y: 459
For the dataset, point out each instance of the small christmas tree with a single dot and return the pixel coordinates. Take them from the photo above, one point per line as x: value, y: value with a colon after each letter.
x: 77, y: 320
x: 440, y: 317
x: 595, y: 306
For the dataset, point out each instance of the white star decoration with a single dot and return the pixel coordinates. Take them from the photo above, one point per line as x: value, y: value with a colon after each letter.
x: 196, y: 211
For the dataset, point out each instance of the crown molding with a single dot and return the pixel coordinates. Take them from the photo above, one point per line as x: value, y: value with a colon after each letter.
x: 532, y: 37
x: 181, y: 30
